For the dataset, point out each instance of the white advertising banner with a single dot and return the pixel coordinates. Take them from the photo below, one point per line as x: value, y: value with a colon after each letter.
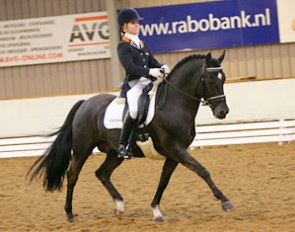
x: 54, y: 39
x: 286, y: 18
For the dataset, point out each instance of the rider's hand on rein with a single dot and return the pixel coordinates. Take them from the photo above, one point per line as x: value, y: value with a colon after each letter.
x: 156, y: 72
x: 165, y: 69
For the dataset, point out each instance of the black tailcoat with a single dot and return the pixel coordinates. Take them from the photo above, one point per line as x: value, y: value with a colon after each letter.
x: 135, y: 61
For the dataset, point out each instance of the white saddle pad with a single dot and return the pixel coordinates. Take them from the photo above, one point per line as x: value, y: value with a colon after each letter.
x: 114, y: 112
x: 113, y: 120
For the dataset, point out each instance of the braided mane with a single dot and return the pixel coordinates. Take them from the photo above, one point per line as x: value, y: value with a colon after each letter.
x: 186, y: 59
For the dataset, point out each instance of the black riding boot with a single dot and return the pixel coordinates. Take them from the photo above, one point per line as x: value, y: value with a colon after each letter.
x: 128, y: 125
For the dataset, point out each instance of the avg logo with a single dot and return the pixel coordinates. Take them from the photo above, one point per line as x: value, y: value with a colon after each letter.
x: 92, y: 30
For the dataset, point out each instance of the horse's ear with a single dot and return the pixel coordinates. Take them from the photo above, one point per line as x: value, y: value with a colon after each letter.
x: 220, y: 59
x: 208, y: 59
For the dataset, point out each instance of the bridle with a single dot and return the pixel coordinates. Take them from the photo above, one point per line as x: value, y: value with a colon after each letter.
x: 207, y: 101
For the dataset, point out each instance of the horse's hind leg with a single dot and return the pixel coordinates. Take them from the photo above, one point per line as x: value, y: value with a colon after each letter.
x: 104, y: 172
x: 72, y: 177
x: 168, y: 169
x: 183, y: 157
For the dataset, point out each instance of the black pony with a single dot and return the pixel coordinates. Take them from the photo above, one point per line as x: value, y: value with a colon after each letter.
x: 172, y: 130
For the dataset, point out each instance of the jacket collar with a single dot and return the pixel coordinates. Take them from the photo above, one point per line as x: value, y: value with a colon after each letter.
x: 128, y: 40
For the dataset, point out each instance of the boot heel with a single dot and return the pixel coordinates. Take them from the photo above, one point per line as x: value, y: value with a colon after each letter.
x: 124, y: 152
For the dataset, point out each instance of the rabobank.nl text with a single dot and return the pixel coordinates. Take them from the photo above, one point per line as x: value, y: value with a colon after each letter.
x: 211, y: 23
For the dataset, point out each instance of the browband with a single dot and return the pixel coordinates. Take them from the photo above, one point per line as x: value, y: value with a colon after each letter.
x: 213, y: 69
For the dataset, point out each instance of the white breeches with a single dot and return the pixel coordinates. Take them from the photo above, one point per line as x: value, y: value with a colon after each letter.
x: 134, y: 93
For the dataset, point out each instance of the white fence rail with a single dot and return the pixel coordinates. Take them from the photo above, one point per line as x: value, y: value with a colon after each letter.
x: 207, y: 135
x: 254, y: 132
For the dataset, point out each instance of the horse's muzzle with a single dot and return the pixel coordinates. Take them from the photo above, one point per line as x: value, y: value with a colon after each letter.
x: 221, y: 110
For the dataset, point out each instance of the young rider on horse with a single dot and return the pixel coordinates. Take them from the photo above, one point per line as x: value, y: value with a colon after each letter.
x: 140, y: 65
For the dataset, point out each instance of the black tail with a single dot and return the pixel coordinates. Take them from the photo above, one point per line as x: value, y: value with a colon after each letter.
x: 55, y: 160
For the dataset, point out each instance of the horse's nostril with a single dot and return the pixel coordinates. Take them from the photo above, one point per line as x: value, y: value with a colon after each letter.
x: 222, y: 114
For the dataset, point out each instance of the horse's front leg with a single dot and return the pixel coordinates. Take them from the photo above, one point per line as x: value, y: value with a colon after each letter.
x: 183, y: 157
x: 103, y: 173
x: 168, y: 169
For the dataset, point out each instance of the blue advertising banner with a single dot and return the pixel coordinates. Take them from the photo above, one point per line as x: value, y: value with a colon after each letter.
x: 208, y: 25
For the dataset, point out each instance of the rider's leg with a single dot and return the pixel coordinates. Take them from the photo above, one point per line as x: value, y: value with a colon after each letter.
x: 129, y: 121
x: 128, y: 125
x: 132, y: 98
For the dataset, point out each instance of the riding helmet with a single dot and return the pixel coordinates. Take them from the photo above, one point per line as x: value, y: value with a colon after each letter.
x: 127, y: 15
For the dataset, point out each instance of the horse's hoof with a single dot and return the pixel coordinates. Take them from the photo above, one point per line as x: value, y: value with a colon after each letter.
x: 227, y: 206
x: 159, y: 219
x: 118, y: 214
x: 72, y: 217
x: 71, y: 220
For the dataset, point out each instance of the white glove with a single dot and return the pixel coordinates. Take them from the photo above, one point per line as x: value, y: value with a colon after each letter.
x: 156, y: 72
x: 165, y: 68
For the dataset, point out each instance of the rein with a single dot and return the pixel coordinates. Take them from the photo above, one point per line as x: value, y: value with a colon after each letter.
x: 204, y: 102
x: 183, y: 92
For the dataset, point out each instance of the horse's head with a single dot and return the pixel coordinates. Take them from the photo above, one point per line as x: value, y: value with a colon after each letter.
x: 213, y: 81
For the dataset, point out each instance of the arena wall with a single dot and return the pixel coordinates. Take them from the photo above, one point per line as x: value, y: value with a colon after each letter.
x: 55, y: 78
x: 248, y: 102
x: 91, y: 76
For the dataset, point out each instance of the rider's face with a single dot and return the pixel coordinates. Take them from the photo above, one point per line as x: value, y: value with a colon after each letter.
x: 132, y: 27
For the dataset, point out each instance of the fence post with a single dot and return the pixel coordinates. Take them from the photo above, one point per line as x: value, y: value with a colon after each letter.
x: 281, y: 131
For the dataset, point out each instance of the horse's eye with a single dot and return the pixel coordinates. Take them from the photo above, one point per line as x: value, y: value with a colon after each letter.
x: 219, y: 76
